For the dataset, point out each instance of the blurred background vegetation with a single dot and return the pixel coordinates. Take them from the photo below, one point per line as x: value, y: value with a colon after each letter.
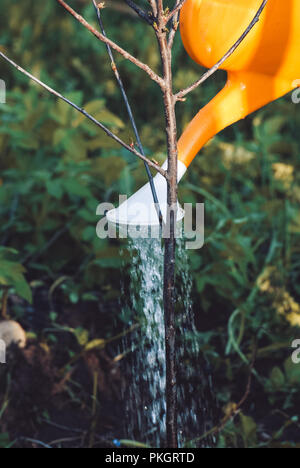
x: 63, y: 284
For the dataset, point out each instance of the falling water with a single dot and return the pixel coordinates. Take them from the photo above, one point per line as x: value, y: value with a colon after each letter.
x: 146, y: 407
x: 145, y: 393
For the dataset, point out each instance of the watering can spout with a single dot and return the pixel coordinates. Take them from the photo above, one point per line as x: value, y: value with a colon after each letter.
x: 244, y: 93
x: 140, y: 210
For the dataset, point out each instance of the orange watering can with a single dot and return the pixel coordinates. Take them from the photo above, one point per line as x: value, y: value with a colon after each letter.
x: 263, y: 68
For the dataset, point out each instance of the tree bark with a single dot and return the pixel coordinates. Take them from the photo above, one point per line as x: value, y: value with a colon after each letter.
x: 170, y: 244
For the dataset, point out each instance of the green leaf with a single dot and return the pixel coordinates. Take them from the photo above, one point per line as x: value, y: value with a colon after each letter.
x: 23, y: 290
x: 54, y: 188
x: 73, y: 187
x: 292, y: 372
x: 133, y: 443
x: 89, y: 233
x: 98, y: 343
x: 249, y: 430
x: 82, y: 336
x: 12, y: 274
x: 277, y: 378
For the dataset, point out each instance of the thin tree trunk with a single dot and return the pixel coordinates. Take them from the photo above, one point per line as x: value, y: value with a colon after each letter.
x: 170, y: 245
x: 169, y: 310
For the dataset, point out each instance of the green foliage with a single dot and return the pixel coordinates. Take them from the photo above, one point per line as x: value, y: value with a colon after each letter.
x: 12, y: 274
x: 247, y: 274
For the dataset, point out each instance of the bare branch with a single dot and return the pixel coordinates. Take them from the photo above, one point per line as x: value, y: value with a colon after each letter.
x: 160, y: 7
x: 154, y: 7
x: 179, y: 4
x: 181, y: 94
x: 86, y: 114
x: 139, y: 11
x: 170, y: 242
x: 129, y: 111
x: 175, y: 24
x: 113, y: 45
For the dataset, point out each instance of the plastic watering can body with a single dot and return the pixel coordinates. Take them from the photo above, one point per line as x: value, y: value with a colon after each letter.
x: 264, y: 67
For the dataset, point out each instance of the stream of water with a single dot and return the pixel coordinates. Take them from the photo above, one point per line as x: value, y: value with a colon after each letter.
x: 145, y: 392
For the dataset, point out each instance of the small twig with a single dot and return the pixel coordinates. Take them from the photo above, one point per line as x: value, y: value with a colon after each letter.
x: 121, y: 356
x: 153, y: 5
x: 175, y: 24
x: 179, y: 4
x: 94, y: 409
x: 63, y: 428
x: 5, y: 404
x: 139, y: 11
x: 129, y: 111
x: 181, y: 94
x: 86, y: 114
x: 160, y: 8
x: 287, y: 417
x: 113, y: 45
x: 251, y: 369
x: 36, y: 442
x: 64, y: 440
